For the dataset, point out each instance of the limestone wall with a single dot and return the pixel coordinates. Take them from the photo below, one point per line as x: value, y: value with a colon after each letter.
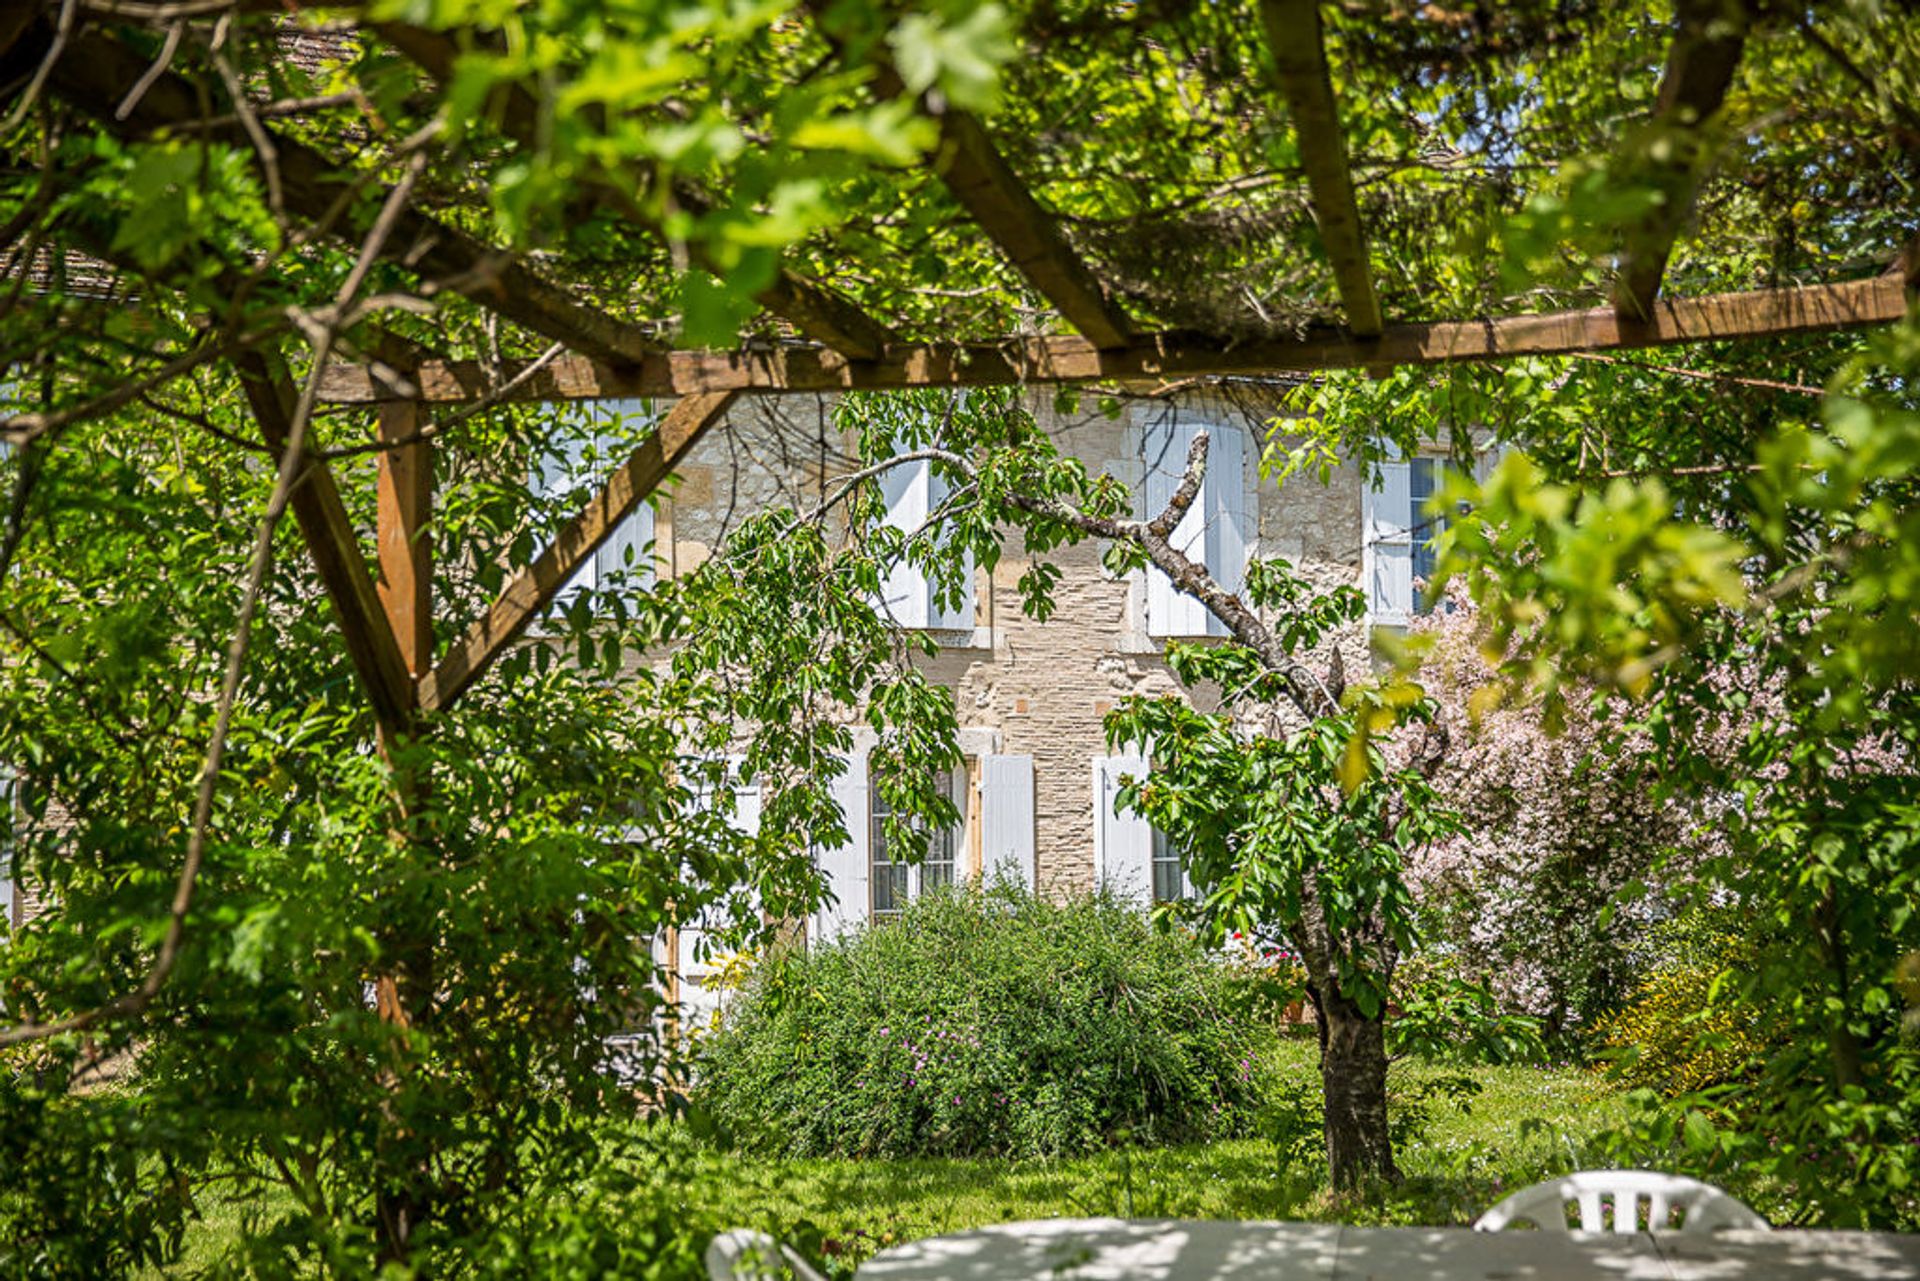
x: 1040, y: 688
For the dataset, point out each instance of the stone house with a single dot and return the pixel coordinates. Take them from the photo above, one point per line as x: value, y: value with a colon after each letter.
x: 1037, y: 791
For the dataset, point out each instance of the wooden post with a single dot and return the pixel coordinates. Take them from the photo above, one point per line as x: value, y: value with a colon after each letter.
x: 404, y: 551
x: 404, y: 993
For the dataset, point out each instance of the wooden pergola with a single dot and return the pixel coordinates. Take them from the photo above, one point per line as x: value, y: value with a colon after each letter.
x: 385, y: 609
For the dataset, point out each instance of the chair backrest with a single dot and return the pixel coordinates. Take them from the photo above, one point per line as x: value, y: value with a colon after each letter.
x: 1702, y: 1207
x: 742, y: 1254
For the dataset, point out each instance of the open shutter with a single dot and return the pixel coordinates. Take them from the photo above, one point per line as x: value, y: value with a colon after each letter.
x: 1165, y: 446
x: 8, y: 829
x: 1006, y: 820
x: 912, y: 493
x: 695, y: 962
x: 629, y: 547
x: 845, y: 870
x: 1230, y: 525
x: 563, y: 473
x: 904, y: 595
x: 960, y: 616
x: 1122, y: 843
x: 1388, y: 561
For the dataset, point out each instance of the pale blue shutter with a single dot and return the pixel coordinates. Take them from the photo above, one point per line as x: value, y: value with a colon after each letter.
x: 903, y: 593
x: 9, y: 828
x: 630, y: 547
x: 1388, y: 558
x: 845, y: 869
x: 1006, y: 820
x: 1217, y: 530
x: 589, y: 430
x: 1230, y: 524
x: 1165, y: 446
x: 562, y: 473
x: 960, y: 616
x: 1122, y: 842
x: 698, y: 1003
x: 912, y: 493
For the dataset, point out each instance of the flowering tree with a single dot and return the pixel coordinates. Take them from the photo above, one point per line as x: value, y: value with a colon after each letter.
x: 1549, y: 889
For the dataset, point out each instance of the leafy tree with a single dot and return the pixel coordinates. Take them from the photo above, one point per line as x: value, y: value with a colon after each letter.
x: 1754, y: 605
x: 397, y: 940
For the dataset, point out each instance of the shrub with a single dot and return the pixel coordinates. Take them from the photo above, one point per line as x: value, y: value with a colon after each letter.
x: 985, y: 1022
x: 1681, y: 1031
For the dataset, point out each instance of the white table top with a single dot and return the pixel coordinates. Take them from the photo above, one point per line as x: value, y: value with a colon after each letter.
x: 1211, y: 1250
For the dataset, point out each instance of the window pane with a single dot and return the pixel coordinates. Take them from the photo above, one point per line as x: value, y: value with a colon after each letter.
x: 1168, y: 885
x: 1423, y: 477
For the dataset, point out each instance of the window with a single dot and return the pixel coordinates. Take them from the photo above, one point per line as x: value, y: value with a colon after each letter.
x: 913, y: 492
x: 591, y: 439
x: 1169, y: 879
x: 893, y: 882
x: 995, y: 838
x: 1401, y: 533
x: 1131, y: 856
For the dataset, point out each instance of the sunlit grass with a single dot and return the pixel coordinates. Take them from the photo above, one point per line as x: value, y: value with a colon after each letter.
x: 1524, y: 1124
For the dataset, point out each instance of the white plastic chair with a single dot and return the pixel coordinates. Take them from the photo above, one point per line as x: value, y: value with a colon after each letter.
x: 1704, y: 1208
x: 742, y: 1254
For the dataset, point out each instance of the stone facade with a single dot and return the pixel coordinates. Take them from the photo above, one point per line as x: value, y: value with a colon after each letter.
x: 1025, y: 687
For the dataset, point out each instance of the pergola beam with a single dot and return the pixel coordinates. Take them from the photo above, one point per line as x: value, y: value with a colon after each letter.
x: 1667, y: 151
x: 96, y: 75
x: 335, y: 550
x: 1298, y: 42
x: 994, y: 197
x: 532, y: 589
x: 1714, y: 318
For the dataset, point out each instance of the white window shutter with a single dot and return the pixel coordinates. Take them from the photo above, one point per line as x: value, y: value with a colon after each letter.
x: 9, y: 830
x: 565, y: 473
x: 629, y: 548
x: 960, y: 617
x: 1164, y: 451
x: 912, y: 493
x: 845, y: 869
x: 1122, y: 842
x: 694, y: 964
x: 903, y: 593
x: 1230, y: 524
x: 1387, y: 563
x: 1006, y: 820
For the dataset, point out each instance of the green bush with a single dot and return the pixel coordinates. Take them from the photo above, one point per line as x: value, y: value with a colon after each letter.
x: 985, y: 1022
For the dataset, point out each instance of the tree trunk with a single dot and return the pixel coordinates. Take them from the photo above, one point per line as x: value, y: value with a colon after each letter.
x: 1353, y: 1076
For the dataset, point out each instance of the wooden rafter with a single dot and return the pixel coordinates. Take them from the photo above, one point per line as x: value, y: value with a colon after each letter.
x: 1715, y: 318
x: 336, y: 553
x: 1666, y: 151
x: 533, y: 588
x: 96, y: 76
x: 818, y: 312
x: 986, y: 186
x: 993, y: 195
x: 1298, y: 42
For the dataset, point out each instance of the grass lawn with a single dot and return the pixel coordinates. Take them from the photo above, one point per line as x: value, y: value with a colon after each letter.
x: 1526, y: 1123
